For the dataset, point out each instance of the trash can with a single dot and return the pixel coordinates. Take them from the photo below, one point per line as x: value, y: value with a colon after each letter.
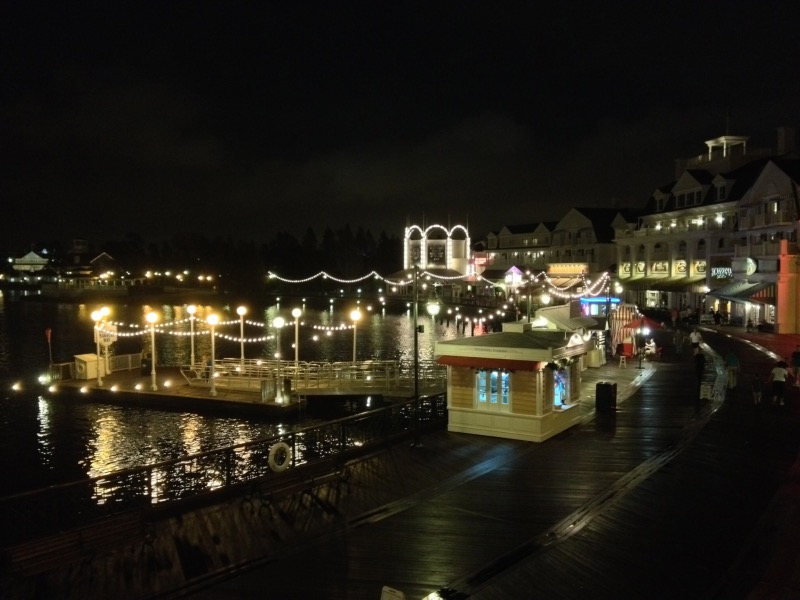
x: 147, y: 369
x: 287, y: 387
x: 605, y: 396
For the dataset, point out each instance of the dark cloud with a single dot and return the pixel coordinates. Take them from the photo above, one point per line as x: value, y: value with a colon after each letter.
x: 245, y: 118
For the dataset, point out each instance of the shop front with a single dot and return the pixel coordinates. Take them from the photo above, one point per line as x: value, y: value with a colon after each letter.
x: 521, y: 385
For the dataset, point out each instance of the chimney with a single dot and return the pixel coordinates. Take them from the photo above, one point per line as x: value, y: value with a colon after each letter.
x: 786, y: 137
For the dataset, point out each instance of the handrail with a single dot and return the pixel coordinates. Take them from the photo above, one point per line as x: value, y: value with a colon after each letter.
x: 306, y: 377
x: 60, y: 507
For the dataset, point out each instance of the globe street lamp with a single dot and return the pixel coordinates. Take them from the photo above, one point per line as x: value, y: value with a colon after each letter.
x: 97, y: 317
x: 278, y: 323
x: 191, y: 309
x: 355, y: 315
x: 212, y: 321
x: 152, y: 318
x: 296, y: 312
x: 433, y: 309
x: 241, y: 311
x: 642, y: 331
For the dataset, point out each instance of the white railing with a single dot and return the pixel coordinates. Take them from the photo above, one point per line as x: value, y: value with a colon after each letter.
x: 306, y: 377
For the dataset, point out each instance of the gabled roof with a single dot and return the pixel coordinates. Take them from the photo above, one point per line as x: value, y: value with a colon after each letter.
x: 702, y: 176
x: 602, y: 220
x: 521, y: 228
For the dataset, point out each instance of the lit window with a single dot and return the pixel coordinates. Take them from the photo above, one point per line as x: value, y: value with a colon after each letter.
x: 492, y: 390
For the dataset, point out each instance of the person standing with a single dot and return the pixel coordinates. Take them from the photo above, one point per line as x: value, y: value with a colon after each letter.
x: 732, y: 368
x: 699, y: 365
x: 695, y: 338
x: 757, y: 384
x: 795, y: 362
x: 778, y: 376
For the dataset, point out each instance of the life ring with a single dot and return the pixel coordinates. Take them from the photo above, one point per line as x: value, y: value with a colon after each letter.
x: 80, y: 368
x: 280, y: 455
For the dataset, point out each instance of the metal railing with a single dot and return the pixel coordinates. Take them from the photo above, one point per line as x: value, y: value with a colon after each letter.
x: 310, y: 377
x: 66, y: 506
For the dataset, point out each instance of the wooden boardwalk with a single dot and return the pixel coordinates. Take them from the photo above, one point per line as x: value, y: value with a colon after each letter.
x: 671, y: 496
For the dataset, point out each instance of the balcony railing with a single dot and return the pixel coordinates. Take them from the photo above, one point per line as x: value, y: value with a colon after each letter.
x: 763, y: 249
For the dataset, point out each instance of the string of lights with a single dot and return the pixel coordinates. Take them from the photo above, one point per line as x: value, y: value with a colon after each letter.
x: 588, y: 288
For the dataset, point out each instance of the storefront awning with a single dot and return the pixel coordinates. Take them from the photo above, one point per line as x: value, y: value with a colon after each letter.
x: 642, y: 284
x: 744, y: 291
x: 665, y: 284
x: 474, y: 362
x: 765, y: 294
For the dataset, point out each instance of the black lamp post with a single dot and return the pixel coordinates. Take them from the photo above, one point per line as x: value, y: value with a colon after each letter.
x: 417, y: 443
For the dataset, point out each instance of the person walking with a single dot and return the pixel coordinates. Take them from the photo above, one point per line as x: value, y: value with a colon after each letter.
x: 757, y: 385
x: 677, y: 341
x: 732, y: 368
x: 695, y: 338
x: 778, y: 376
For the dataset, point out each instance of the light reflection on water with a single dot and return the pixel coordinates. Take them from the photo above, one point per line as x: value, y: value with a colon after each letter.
x: 47, y: 441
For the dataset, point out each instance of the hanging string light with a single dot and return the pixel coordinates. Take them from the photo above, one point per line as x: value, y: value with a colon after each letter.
x: 588, y: 289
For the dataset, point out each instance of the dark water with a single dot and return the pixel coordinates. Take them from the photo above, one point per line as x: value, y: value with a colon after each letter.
x: 46, y: 440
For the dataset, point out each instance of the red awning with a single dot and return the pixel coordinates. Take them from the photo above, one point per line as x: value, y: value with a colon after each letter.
x: 474, y: 362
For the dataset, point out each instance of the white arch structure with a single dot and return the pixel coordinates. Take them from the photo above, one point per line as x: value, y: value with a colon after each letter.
x: 456, y: 252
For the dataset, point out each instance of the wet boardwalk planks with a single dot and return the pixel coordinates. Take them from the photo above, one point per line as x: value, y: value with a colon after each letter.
x: 591, y: 514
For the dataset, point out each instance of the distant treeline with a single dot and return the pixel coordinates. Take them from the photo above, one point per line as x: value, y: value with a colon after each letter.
x: 242, y: 265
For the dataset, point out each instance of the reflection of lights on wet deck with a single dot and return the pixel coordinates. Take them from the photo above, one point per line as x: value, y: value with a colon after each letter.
x: 84, y: 390
x: 167, y: 383
x: 17, y: 387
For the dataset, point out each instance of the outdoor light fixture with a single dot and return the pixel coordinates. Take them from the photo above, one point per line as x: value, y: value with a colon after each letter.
x: 212, y: 321
x: 152, y: 318
x: 278, y: 323
x: 355, y: 315
x: 191, y: 309
x: 241, y: 311
x: 296, y: 312
x: 97, y: 317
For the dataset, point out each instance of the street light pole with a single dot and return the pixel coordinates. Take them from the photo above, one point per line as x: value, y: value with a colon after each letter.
x: 152, y: 318
x: 417, y: 441
x: 278, y: 323
x: 191, y: 309
x: 296, y: 312
x: 355, y: 315
x: 96, y: 317
x: 212, y: 321
x: 241, y: 311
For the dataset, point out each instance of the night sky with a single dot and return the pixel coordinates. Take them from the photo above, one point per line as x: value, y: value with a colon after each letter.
x: 243, y: 119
